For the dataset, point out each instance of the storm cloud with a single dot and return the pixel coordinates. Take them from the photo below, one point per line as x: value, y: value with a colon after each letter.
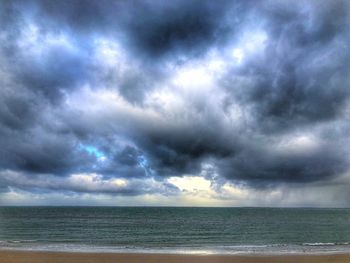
x: 125, y: 95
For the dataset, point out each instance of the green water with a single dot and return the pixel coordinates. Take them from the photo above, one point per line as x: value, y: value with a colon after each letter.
x: 174, y: 229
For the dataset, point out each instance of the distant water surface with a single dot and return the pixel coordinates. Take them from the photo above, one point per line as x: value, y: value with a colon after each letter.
x: 175, y: 230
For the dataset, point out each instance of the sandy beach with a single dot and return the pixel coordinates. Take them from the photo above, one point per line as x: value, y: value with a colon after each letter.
x: 65, y: 257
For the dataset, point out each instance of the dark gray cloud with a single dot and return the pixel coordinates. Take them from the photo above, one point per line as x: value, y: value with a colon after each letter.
x: 152, y: 28
x: 305, y: 80
x: 188, y: 27
x: 148, y: 90
x: 260, y: 167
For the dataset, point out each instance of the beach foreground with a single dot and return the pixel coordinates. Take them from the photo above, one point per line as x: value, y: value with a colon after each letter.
x: 65, y: 257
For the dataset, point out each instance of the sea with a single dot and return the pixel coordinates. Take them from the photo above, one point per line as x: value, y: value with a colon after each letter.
x: 185, y: 230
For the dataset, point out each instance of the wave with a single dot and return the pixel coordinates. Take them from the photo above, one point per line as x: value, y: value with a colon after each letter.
x: 326, y: 244
x: 275, y: 249
x: 22, y: 241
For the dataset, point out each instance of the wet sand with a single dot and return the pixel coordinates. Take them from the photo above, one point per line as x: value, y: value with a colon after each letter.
x: 66, y: 257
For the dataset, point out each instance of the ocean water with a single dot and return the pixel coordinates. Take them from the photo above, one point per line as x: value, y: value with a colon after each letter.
x: 176, y: 230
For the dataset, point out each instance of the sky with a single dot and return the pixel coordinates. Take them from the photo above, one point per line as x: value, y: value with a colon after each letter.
x: 175, y: 103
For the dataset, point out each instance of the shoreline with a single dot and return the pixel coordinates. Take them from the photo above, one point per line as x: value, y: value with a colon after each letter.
x: 313, y: 250
x: 276, y: 253
x: 16, y: 256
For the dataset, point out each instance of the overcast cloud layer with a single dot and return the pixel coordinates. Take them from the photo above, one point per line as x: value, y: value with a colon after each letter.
x: 132, y: 100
